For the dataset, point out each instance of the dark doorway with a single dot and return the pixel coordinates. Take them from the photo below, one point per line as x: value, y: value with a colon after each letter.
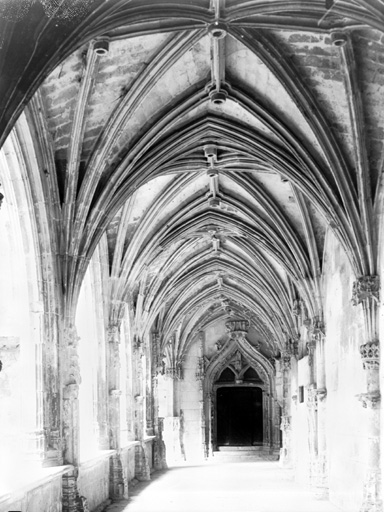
x: 239, y: 416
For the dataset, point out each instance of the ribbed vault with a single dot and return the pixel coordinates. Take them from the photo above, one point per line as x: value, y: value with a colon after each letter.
x: 207, y: 148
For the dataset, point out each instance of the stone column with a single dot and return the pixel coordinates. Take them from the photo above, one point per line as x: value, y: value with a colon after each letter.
x: 72, y: 502
x: 266, y: 418
x: 370, y: 353
x: 118, y: 485
x: 200, y: 375
x: 285, y: 426
x: 158, y: 423
x: 142, y: 469
x: 321, y: 476
x: 276, y: 424
x: 366, y: 292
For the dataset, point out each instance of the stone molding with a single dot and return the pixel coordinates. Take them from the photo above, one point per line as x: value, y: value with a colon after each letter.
x: 285, y: 424
x: 370, y: 355
x: 237, y: 326
x: 312, y: 398
x: 366, y: 287
x: 370, y: 400
x: 321, y: 394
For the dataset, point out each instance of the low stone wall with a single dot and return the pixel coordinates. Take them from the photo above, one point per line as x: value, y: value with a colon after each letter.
x: 93, y: 481
x: 42, y: 494
x: 128, y: 460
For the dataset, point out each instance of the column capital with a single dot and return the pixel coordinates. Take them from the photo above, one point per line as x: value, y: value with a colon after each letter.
x: 370, y: 355
x: 312, y: 397
x: 285, y: 424
x: 365, y: 287
x: 370, y: 400
x: 113, y: 333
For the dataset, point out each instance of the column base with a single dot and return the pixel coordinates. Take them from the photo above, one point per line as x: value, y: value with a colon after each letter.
x: 371, y: 500
x: 142, y: 470
x: 319, y: 478
x: 72, y: 501
x: 118, y: 483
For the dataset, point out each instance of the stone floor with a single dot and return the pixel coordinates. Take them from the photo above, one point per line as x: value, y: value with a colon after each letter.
x: 229, y: 487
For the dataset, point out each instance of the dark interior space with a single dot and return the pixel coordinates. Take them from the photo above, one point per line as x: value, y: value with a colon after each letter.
x: 239, y: 416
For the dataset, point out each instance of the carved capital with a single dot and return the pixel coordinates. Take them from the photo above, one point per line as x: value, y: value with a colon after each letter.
x: 370, y: 355
x: 201, y: 367
x: 71, y: 392
x: 286, y: 361
x: 296, y: 308
x: 285, y: 424
x: 366, y: 287
x: 312, y: 398
x: 318, y: 330
x: 321, y: 394
x: 113, y: 333
x: 71, y: 340
x: 311, y: 346
x: 370, y: 400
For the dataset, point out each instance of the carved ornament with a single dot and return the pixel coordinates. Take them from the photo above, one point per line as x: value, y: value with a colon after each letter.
x: 366, y: 288
x: 237, y: 326
x: 370, y: 400
x: 286, y: 360
x: 113, y: 334
x: 296, y: 308
x: 312, y: 398
x: 318, y: 330
x: 321, y: 395
x: 285, y: 424
x: 370, y: 354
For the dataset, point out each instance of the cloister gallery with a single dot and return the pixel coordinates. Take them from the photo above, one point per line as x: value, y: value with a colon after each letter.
x: 191, y: 244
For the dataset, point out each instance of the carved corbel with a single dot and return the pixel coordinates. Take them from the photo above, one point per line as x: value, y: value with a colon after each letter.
x: 370, y: 400
x: 312, y: 398
x: 366, y: 288
x: 370, y: 355
x: 285, y: 424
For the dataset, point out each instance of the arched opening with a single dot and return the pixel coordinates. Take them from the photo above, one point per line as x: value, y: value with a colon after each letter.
x: 239, y: 416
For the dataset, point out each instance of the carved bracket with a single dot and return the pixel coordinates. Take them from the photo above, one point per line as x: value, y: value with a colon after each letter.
x: 370, y: 355
x: 366, y: 287
x: 370, y: 400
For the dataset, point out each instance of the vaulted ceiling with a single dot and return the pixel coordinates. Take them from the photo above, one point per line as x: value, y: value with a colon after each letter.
x: 208, y: 145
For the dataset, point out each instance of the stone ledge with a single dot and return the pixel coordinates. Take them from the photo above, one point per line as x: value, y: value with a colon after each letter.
x: 130, y: 444
x: 36, y: 478
x: 148, y: 439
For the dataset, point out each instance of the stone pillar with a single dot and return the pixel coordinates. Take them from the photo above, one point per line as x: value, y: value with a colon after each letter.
x: 71, y: 397
x: 312, y: 432
x: 200, y: 376
x: 118, y: 484
x: 370, y: 353
x: 285, y: 426
x: 276, y: 424
x: 142, y: 467
x: 321, y: 476
x: 366, y: 291
x: 266, y: 418
x: 72, y: 502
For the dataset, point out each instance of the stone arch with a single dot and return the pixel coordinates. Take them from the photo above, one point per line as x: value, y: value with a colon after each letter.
x: 239, y: 355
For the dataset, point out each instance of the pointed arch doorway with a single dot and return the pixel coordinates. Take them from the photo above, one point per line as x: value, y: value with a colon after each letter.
x: 240, y: 407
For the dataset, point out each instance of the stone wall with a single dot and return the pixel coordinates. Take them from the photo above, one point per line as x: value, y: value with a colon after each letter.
x: 93, y: 481
x: 42, y: 495
x: 346, y: 419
